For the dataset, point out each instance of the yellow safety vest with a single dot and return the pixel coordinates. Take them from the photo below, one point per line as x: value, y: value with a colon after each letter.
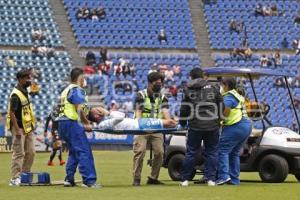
x: 238, y: 112
x: 28, y: 118
x: 149, y: 110
x: 68, y: 109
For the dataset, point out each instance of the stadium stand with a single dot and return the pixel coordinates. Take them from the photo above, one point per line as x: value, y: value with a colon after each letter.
x: 20, y: 17
x: 134, y: 24
x: 142, y: 64
x: 263, y: 32
x: 275, y: 96
x: 53, y: 72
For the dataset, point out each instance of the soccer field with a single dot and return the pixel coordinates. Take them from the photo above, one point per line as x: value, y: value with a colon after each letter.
x: 114, y: 173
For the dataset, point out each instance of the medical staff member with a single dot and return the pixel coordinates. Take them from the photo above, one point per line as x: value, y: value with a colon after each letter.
x: 235, y: 131
x: 150, y: 103
x: 21, y: 123
x: 71, y: 127
x: 200, y: 110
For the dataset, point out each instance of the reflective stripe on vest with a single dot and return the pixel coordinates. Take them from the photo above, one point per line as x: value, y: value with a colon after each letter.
x: 28, y: 118
x: 68, y: 109
x: 236, y: 113
x: 151, y: 110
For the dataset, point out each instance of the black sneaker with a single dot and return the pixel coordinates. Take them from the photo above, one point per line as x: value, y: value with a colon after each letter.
x: 152, y: 181
x: 136, y: 182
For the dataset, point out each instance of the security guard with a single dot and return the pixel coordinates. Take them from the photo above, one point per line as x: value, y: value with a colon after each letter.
x: 21, y: 122
x: 150, y: 103
x: 236, y: 129
x: 72, y: 125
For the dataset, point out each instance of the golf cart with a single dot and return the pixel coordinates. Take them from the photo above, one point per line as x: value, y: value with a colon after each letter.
x: 273, y: 151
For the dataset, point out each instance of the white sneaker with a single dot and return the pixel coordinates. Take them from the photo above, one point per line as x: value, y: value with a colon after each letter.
x: 184, y: 183
x: 211, y: 183
x: 95, y: 186
x: 15, y: 182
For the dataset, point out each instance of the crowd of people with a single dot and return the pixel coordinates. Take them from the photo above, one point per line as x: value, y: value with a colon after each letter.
x: 275, y: 60
x: 41, y: 39
x: 263, y: 10
x: 91, y: 14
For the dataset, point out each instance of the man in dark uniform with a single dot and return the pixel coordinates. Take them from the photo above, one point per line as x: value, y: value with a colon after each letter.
x: 201, y: 109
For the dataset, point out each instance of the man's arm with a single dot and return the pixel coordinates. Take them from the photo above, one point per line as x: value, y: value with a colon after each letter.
x: 13, y: 108
x: 139, y: 101
x: 185, y: 109
x: 165, y: 109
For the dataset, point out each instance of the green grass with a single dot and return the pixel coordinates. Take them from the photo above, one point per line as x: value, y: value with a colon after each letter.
x: 114, y: 173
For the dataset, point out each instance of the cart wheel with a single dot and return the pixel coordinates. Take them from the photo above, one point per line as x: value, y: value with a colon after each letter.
x: 175, y: 165
x: 273, y: 169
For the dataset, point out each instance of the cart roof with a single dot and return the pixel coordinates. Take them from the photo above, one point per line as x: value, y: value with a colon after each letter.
x: 234, y: 71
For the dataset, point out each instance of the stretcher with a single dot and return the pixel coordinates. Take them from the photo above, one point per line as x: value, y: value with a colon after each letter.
x: 171, y: 131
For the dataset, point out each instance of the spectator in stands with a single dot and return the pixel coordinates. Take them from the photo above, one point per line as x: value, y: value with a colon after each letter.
x: 248, y: 53
x: 259, y: 10
x: 103, y: 69
x: 86, y: 13
x: 89, y: 70
x: 295, y: 44
x: 264, y: 60
x: 233, y: 26
x: 169, y: 75
x: 94, y: 16
x: 103, y: 54
x: 279, y: 82
x: 298, y: 47
x: 297, y: 19
x: 79, y: 14
x: 266, y: 11
x: 296, y: 101
x: 153, y: 68
x: 36, y: 34
x: 42, y: 51
x: 90, y: 58
x: 117, y: 70
x: 274, y: 10
x: 162, y: 69
x: 277, y: 59
x: 290, y: 81
x: 162, y: 36
x: 285, y: 43
x: 10, y: 62
x: 126, y: 69
x: 176, y: 70
x: 50, y: 51
x: 101, y: 13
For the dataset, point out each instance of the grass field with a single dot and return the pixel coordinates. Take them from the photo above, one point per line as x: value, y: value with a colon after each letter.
x: 114, y: 173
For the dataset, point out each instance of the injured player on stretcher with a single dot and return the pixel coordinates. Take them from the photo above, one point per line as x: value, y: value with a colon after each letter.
x: 116, y: 120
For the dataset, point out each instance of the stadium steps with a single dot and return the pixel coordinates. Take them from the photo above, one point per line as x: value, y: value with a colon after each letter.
x: 201, y: 34
x: 59, y: 13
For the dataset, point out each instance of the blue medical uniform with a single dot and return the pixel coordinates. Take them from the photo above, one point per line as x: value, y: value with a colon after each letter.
x: 231, y: 141
x: 80, y: 153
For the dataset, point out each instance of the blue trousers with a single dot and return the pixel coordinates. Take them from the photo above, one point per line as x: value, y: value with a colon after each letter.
x: 193, y: 146
x: 232, y: 140
x: 80, y: 153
